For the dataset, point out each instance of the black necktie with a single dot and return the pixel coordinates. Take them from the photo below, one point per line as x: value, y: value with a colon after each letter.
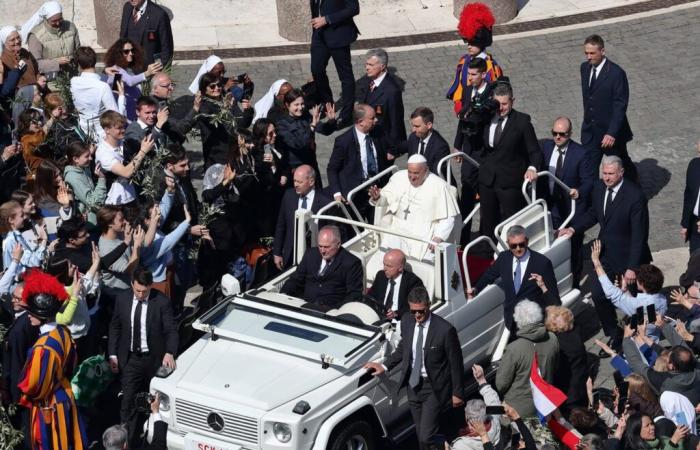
x: 390, y: 296
x: 499, y: 130
x: 303, y: 202
x: 324, y: 270
x: 417, y: 359
x: 136, y: 328
x: 558, y: 169
x: 608, y: 202
x: 372, y: 86
x: 371, y: 161
x: 593, y: 77
x: 422, y: 147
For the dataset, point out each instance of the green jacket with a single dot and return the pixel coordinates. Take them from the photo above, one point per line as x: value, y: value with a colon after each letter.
x: 90, y: 196
x: 513, y: 376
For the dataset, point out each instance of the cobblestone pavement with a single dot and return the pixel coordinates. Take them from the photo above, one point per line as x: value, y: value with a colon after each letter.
x: 657, y: 52
x: 661, y: 62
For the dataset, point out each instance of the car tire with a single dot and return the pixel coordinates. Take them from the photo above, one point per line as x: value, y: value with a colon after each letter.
x: 357, y: 435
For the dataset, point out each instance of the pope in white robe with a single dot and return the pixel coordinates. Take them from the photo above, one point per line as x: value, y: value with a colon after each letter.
x: 417, y: 203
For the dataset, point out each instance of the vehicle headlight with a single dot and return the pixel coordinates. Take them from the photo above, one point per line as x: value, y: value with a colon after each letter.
x: 164, y: 401
x: 282, y: 431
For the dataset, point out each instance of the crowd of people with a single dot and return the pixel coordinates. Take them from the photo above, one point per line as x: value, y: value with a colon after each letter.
x: 104, y: 232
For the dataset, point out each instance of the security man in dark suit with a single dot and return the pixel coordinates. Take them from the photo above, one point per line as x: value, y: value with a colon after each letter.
x: 571, y: 163
x: 142, y: 338
x: 425, y: 140
x: 605, y: 129
x: 620, y: 208
x: 478, y: 107
x: 690, y: 221
x: 511, y: 153
x: 303, y: 196
x: 150, y: 120
x: 380, y: 90
x: 522, y: 271
x: 431, y: 365
x: 148, y: 25
x: 391, y: 286
x: 358, y: 154
x: 333, y: 33
x: 327, y: 277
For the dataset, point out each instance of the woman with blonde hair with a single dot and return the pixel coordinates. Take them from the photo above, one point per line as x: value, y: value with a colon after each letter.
x: 641, y: 398
x: 572, y: 368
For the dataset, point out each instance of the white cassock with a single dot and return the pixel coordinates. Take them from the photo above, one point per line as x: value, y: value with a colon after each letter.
x: 425, y: 211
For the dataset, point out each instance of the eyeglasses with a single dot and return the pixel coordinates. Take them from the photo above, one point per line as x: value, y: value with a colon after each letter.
x: 418, y: 311
x: 560, y: 133
x: 515, y: 245
x: 17, y: 298
x: 167, y: 86
x: 126, y: 51
x: 214, y: 86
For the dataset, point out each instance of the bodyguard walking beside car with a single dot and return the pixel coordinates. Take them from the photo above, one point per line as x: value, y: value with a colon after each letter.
x: 431, y: 366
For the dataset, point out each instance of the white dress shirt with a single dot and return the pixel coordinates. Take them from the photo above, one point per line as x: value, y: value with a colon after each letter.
x: 92, y: 97
x: 696, y: 210
x: 523, y: 265
x: 379, y: 79
x: 615, y: 190
x: 492, y: 128
x: 596, y: 70
x: 144, y: 309
x: 426, y: 325
x: 424, y: 140
x: 309, y: 199
x: 363, y: 155
x: 553, y: 163
x: 395, y: 297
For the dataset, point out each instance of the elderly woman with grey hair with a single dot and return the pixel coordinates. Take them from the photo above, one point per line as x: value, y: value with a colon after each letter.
x: 475, y: 413
x: 513, y: 377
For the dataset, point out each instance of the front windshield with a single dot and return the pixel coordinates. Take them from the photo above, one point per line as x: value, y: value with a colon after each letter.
x: 278, y: 329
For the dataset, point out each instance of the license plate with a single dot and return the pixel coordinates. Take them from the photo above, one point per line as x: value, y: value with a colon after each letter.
x: 197, y: 442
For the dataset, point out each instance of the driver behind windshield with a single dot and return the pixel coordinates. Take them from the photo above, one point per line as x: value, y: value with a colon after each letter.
x: 326, y: 277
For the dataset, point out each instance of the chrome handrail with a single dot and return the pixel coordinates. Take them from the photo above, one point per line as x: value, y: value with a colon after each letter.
x: 333, y: 204
x: 533, y: 194
x: 368, y: 226
x: 476, y: 208
x: 463, y: 155
x: 466, y: 250
x: 368, y: 182
x: 538, y: 202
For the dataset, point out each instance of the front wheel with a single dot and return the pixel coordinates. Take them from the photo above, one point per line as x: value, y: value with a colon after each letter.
x: 357, y: 435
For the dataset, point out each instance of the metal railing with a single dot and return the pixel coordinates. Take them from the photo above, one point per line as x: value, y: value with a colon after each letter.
x: 462, y: 155
x: 340, y: 204
x: 533, y: 194
x: 539, y: 203
x: 466, y: 250
x: 372, y: 227
x: 368, y: 182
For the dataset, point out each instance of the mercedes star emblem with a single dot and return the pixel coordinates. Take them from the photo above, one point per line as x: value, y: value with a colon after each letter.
x: 215, y: 421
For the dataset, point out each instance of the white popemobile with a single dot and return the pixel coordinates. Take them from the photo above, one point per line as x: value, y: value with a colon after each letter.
x: 270, y: 374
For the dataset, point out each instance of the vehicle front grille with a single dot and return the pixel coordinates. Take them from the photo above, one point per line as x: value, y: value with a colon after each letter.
x: 236, y: 427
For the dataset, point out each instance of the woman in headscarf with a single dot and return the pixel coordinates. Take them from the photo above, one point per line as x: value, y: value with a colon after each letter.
x: 271, y: 100
x: 125, y: 57
x: 214, y: 66
x: 14, y: 57
x: 51, y: 39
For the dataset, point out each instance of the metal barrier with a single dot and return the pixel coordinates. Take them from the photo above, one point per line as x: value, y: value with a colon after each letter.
x: 466, y: 250
x: 462, y: 155
x: 533, y: 194
x: 368, y: 182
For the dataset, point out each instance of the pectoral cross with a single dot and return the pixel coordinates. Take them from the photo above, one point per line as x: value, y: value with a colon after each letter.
x: 406, y: 211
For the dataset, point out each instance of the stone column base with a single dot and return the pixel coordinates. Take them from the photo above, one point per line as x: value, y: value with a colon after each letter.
x: 108, y: 18
x: 293, y: 17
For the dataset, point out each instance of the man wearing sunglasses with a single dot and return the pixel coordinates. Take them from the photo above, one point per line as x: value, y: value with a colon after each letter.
x: 431, y: 367
x: 572, y: 164
x: 525, y: 275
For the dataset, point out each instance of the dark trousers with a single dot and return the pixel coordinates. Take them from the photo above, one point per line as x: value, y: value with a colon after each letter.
x: 604, y: 307
x: 427, y: 412
x: 619, y: 150
x: 136, y: 376
x: 320, y: 54
x: 497, y: 204
x: 693, y: 234
x: 559, y: 213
